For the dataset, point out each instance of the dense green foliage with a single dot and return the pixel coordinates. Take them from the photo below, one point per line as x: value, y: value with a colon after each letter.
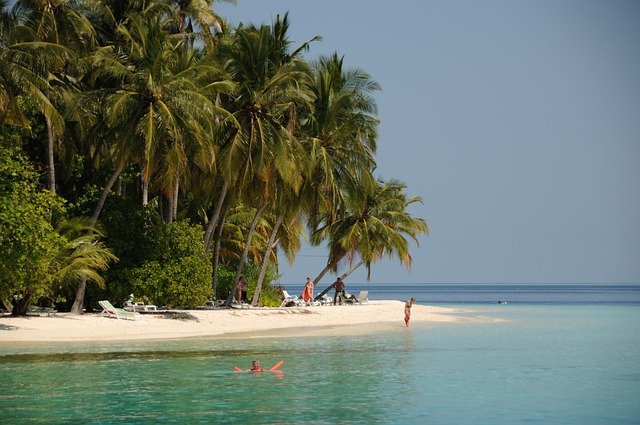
x: 37, y: 259
x: 202, y: 151
x: 28, y: 242
x: 178, y: 273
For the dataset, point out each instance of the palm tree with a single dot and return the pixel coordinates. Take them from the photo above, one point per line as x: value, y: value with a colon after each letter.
x: 84, y: 254
x: 340, y: 133
x: 160, y: 112
x: 162, y: 109
x: 286, y: 230
x: 375, y: 223
x: 270, y: 83
x: 57, y: 23
x: 81, y: 255
x: 194, y: 15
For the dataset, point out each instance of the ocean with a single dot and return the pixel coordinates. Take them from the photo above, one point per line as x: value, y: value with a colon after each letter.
x: 552, y: 354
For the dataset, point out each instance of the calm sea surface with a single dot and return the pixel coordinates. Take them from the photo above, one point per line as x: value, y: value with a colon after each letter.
x: 559, y: 354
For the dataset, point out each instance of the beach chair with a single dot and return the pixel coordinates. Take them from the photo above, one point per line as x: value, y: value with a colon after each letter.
x: 326, y: 299
x: 290, y: 298
x: 362, y: 297
x: 110, y: 311
x: 241, y: 304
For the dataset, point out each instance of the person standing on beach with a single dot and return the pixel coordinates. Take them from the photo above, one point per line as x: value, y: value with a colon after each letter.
x: 241, y: 290
x: 339, y: 285
x: 407, y: 310
x: 307, y: 292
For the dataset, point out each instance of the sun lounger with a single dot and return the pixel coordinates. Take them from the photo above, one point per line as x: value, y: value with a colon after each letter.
x: 242, y: 304
x: 42, y: 310
x: 326, y: 299
x: 110, y: 311
x: 362, y: 297
x: 290, y: 299
x: 129, y: 306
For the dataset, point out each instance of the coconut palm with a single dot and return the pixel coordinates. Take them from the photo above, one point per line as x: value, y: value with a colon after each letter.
x: 375, y: 223
x: 81, y: 255
x: 197, y: 17
x: 159, y: 113
x: 341, y: 136
x: 285, y: 231
x: 270, y: 86
x: 340, y: 133
x: 57, y: 23
x: 84, y: 255
x: 22, y: 73
x: 262, y: 150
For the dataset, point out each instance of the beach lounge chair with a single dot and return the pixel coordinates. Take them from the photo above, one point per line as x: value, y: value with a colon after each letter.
x: 362, y: 297
x: 352, y: 299
x: 326, y: 299
x: 242, y: 304
x: 290, y: 299
x: 110, y: 311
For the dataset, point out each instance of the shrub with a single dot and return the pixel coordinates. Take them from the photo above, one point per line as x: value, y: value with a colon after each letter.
x: 179, y: 274
x: 29, y: 245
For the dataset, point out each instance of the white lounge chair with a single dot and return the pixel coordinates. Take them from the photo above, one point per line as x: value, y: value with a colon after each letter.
x: 362, y: 297
x: 242, y: 304
x: 290, y: 298
x: 110, y: 311
x: 326, y: 299
x: 352, y: 299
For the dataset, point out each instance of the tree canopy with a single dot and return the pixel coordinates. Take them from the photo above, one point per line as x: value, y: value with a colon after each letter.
x: 198, y: 148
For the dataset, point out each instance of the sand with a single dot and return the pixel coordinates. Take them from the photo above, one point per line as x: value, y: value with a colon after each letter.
x: 235, y: 322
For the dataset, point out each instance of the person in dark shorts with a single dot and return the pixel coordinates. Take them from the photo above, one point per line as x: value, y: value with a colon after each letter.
x: 339, y: 285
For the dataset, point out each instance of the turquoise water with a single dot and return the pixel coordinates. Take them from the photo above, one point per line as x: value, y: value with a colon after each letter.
x: 546, y: 364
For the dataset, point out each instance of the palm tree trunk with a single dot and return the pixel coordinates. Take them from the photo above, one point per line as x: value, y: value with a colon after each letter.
x: 105, y: 193
x: 352, y: 269
x: 51, y: 172
x: 322, y: 273
x: 328, y: 267
x: 245, y: 252
x: 216, y: 252
x: 78, y: 303
x: 317, y: 279
x: 173, y: 202
x: 265, y: 259
x: 213, y: 221
x: 176, y: 192
x: 145, y: 192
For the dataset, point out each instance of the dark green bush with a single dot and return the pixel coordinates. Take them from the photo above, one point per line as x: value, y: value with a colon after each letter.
x: 177, y: 274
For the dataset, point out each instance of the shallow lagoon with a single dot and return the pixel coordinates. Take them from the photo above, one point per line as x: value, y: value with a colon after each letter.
x: 561, y: 364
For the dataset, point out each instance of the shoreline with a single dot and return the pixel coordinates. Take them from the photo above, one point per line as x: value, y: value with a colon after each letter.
x: 224, y: 323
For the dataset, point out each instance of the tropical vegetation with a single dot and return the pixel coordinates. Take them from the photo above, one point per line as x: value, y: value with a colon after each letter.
x: 149, y: 148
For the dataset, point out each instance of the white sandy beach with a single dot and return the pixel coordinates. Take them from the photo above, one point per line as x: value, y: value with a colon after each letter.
x: 316, y: 320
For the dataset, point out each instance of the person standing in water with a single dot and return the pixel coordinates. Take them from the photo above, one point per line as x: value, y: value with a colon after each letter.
x: 407, y: 310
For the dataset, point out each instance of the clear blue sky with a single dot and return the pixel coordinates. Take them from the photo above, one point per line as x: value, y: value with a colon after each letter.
x: 517, y: 122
